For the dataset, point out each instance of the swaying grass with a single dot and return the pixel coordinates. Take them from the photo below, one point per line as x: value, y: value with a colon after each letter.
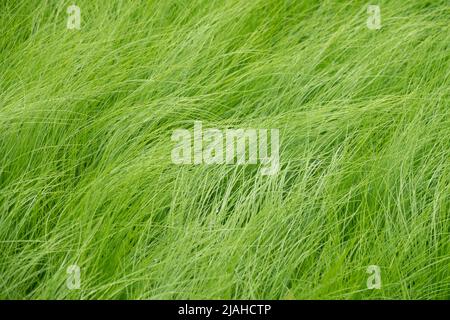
x: 86, y: 176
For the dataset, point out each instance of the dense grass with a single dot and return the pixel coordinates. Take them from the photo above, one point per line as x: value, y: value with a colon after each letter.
x: 86, y: 175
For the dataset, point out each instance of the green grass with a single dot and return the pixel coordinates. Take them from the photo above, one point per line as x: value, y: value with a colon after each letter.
x: 86, y: 175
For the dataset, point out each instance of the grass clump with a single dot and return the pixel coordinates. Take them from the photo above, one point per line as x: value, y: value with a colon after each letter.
x: 86, y: 176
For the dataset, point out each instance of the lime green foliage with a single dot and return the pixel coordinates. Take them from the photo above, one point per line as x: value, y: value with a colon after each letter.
x: 86, y: 175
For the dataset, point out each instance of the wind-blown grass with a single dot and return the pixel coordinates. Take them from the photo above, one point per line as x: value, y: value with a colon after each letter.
x: 86, y: 176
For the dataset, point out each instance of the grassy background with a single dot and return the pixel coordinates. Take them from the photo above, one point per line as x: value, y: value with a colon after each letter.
x: 86, y: 176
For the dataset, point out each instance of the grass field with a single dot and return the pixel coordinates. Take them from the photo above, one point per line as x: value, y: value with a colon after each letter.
x: 86, y: 176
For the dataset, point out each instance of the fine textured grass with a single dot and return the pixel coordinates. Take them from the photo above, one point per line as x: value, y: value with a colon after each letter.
x: 86, y: 176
